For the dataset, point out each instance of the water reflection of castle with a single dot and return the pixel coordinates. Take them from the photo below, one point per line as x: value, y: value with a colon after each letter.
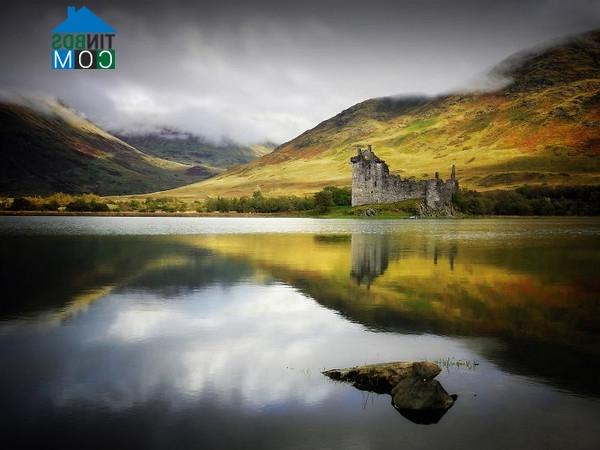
x: 371, y: 255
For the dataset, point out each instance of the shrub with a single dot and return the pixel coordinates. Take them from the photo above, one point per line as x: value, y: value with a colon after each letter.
x: 532, y: 200
x: 22, y: 204
x: 82, y: 204
x: 257, y: 203
x: 340, y: 196
x: 323, y: 201
x: 163, y: 204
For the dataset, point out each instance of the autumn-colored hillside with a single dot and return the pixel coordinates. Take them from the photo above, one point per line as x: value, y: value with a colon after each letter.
x: 542, y: 127
x: 47, y: 147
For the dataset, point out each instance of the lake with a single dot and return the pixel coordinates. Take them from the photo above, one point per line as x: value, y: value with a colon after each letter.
x: 212, y: 333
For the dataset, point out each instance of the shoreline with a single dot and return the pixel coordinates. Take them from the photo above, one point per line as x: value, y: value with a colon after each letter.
x: 255, y: 215
x: 135, y: 214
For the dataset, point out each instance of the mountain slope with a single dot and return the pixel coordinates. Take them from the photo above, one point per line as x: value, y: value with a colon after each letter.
x: 542, y: 127
x: 47, y: 147
x: 188, y: 148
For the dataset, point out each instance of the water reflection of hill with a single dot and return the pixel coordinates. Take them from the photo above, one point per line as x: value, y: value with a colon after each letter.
x: 455, y: 287
x: 66, y: 273
x: 414, y: 284
x: 538, y: 296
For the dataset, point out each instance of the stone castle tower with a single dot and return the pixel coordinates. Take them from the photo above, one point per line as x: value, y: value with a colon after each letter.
x: 372, y: 183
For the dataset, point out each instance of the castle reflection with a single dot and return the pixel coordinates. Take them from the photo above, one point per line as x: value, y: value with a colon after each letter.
x: 371, y: 255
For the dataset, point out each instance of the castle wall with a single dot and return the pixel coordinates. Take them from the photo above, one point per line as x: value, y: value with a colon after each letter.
x: 372, y: 183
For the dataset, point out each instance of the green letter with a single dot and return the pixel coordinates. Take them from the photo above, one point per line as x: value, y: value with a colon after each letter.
x: 56, y: 41
x: 68, y: 41
x: 80, y: 41
x: 106, y: 59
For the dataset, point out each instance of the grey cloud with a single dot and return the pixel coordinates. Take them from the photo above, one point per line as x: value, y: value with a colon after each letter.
x: 254, y: 71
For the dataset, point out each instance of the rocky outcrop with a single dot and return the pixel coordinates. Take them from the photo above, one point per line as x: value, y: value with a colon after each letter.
x: 415, y: 393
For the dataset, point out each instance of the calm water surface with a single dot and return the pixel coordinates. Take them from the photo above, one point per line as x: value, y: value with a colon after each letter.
x: 212, y: 333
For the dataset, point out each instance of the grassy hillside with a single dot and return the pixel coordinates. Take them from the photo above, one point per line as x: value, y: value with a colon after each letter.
x: 47, y: 147
x: 541, y: 128
x: 191, y: 149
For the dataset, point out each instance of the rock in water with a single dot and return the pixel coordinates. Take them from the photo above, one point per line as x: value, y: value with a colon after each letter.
x: 383, y: 377
x: 415, y: 394
x: 420, y: 394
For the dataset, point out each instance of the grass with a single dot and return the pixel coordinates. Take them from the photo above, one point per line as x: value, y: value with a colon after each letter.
x: 399, y: 210
x: 447, y: 363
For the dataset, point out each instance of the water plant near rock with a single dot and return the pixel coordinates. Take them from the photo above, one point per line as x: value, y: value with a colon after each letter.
x: 415, y: 393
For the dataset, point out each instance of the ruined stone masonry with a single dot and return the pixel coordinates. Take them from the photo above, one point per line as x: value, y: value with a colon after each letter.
x: 372, y: 183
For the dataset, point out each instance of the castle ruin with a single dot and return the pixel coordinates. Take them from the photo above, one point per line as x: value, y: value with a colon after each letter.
x: 372, y: 183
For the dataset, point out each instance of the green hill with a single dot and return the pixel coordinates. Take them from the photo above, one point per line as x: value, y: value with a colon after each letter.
x: 47, y: 147
x: 188, y: 148
x: 543, y: 127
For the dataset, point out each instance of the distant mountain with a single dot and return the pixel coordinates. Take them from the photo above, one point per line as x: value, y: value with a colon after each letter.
x: 542, y: 127
x: 188, y: 148
x: 47, y: 147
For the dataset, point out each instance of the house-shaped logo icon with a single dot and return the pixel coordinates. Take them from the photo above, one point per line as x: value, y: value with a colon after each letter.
x: 83, y: 20
x: 83, y: 41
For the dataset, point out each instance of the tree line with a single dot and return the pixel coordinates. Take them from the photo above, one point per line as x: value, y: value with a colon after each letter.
x: 524, y: 201
x: 320, y: 202
x: 532, y: 201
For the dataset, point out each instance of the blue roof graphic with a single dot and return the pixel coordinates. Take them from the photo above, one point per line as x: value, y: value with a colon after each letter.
x: 83, y: 21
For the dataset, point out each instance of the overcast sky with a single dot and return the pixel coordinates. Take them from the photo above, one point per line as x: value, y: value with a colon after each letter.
x: 261, y: 70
